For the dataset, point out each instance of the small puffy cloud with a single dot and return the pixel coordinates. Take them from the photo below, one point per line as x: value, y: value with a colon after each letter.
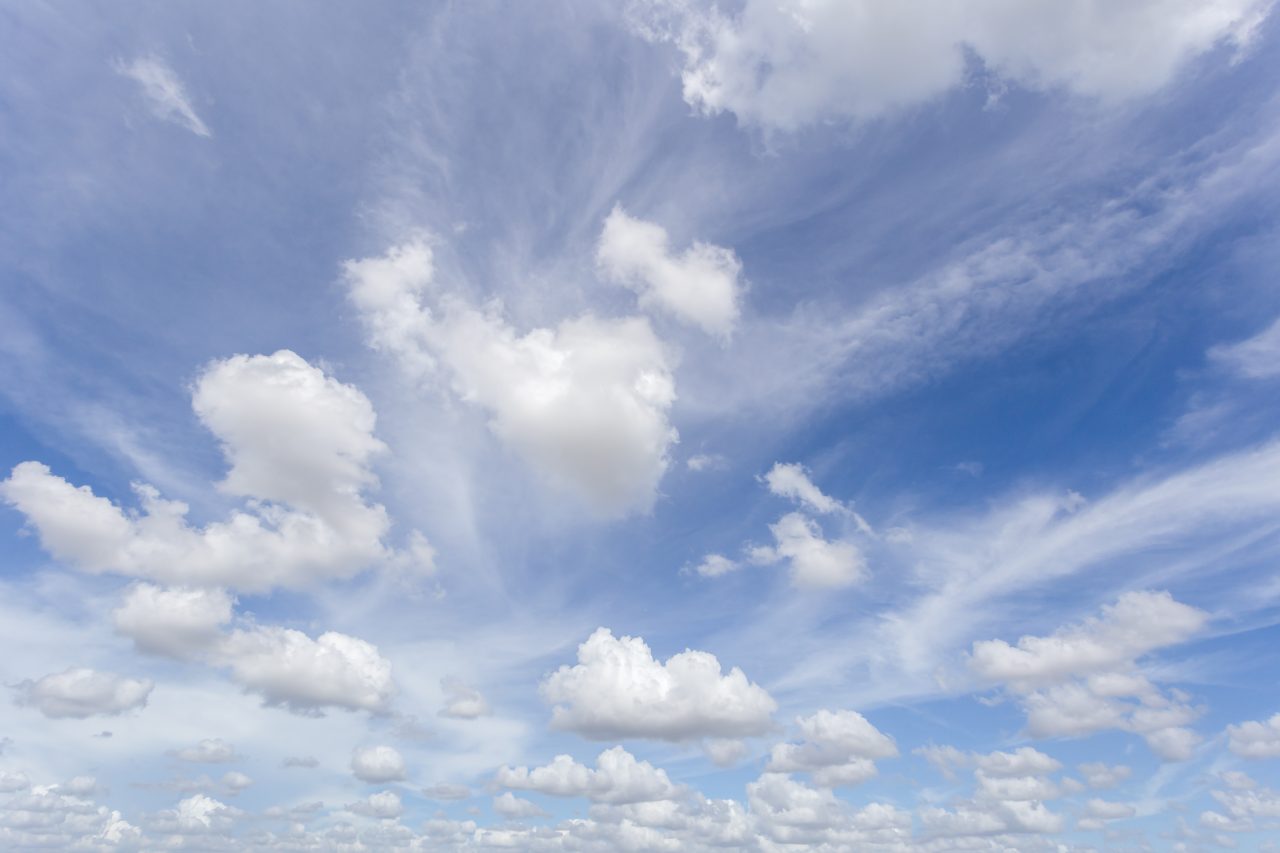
x: 512, y: 807
x: 178, y: 622
x: 1254, y: 739
x: 715, y: 565
x: 11, y: 781
x: 814, y: 561
x: 286, y: 667
x: 1083, y: 678
x: 1099, y: 775
x: 208, y: 751
x: 839, y: 749
x: 724, y: 752
x: 1023, y: 761
x: 1257, y: 357
x: 791, y: 480
x: 585, y: 403
x: 384, y: 805
x: 164, y: 92
x: 618, y: 690
x: 378, y: 764
x: 700, y: 285
x: 1098, y: 813
x: 785, y: 64
x: 81, y: 692
x: 235, y: 781
x: 705, y: 462
x: 201, y: 813
x: 617, y: 778
x: 299, y: 443
x: 462, y: 702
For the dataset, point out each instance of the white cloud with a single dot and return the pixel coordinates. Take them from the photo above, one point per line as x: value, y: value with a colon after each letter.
x: 1023, y: 761
x: 791, y: 480
x: 12, y: 780
x: 81, y: 692
x: 1083, y: 679
x: 699, y: 286
x: 585, y: 403
x: 813, y: 561
x: 724, y: 752
x: 384, y: 805
x: 378, y: 764
x: 839, y: 749
x: 715, y: 565
x: 618, y: 690
x: 462, y: 702
x: 1099, y: 775
x: 235, y: 781
x: 512, y: 807
x: 299, y: 443
x: 164, y: 91
x: 617, y: 778
x: 286, y: 667
x: 1254, y: 739
x: 705, y: 462
x: 181, y: 622
x: 208, y: 751
x: 1257, y: 357
x: 783, y: 64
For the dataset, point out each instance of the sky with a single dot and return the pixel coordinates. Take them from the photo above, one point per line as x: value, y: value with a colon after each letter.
x: 652, y: 425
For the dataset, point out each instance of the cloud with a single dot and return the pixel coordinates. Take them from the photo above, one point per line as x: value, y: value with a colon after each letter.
x: 839, y: 749
x: 814, y: 562
x: 12, y: 780
x: 699, y: 286
x: 378, y: 764
x: 715, y: 565
x: 208, y: 751
x: 791, y: 480
x: 618, y: 690
x: 784, y: 65
x: 462, y: 702
x: 384, y: 805
x: 81, y: 692
x: 447, y: 792
x: 1257, y: 357
x: 512, y: 807
x: 235, y: 781
x: 617, y: 778
x: 1253, y: 739
x: 180, y: 622
x: 584, y: 403
x: 1099, y: 775
x: 307, y: 762
x: 1023, y: 761
x: 299, y: 443
x: 164, y: 92
x: 289, y: 668
x: 1083, y: 678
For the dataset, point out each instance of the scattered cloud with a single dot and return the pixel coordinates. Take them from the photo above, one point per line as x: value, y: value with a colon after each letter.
x: 81, y: 692
x: 165, y: 93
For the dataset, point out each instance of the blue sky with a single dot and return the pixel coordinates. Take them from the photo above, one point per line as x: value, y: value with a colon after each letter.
x: 656, y: 425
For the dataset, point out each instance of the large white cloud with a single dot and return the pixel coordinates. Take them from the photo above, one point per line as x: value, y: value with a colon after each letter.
x: 289, y: 668
x: 783, y: 64
x: 81, y: 692
x: 181, y: 622
x: 699, y: 286
x: 618, y: 690
x: 838, y: 748
x: 299, y: 443
x: 585, y: 403
x: 617, y: 778
x: 1084, y: 678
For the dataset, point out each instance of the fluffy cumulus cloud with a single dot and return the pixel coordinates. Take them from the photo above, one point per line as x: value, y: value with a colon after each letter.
x: 585, y: 403
x: 180, y: 622
x: 378, y: 764
x: 1084, y: 678
x: 384, y: 805
x: 1023, y: 761
x: 700, y: 285
x: 839, y: 748
x: 81, y: 692
x: 511, y: 807
x: 462, y: 702
x: 289, y: 668
x: 618, y: 777
x: 791, y: 480
x: 618, y: 690
x: 164, y: 91
x: 783, y: 65
x: 813, y: 560
x: 1254, y: 739
x: 299, y: 443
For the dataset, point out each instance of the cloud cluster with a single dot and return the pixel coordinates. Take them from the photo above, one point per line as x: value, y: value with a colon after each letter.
x: 618, y: 690
x: 784, y: 65
x: 839, y: 748
x: 1084, y: 678
x: 299, y: 443
x: 618, y: 778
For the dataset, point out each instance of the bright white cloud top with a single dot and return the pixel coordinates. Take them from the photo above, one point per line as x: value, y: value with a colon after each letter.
x: 898, y: 382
